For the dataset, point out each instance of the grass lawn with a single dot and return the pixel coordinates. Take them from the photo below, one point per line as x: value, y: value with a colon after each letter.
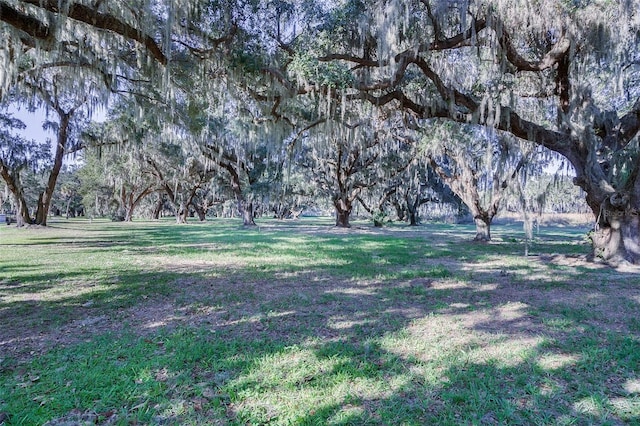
x: 297, y: 322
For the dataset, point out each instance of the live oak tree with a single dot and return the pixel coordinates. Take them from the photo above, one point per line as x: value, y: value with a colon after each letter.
x: 560, y: 74
x: 181, y: 177
x: 66, y: 101
x: 18, y: 157
x: 341, y: 159
x: 293, y: 191
x: 94, y: 189
x: 405, y: 184
x: 348, y: 159
x: 70, y: 109
x: 115, y: 180
x: 480, y: 166
x: 131, y: 180
x: 419, y: 185
x: 67, y: 199
x: 246, y: 165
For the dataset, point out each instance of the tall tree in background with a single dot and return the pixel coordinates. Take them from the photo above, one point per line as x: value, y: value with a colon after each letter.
x: 67, y: 199
x: 420, y: 185
x: 479, y: 166
x: 70, y: 109
x: 18, y: 156
x: 247, y: 165
x: 348, y: 160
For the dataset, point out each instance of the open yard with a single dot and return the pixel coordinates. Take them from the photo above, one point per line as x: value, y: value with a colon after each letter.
x: 298, y: 322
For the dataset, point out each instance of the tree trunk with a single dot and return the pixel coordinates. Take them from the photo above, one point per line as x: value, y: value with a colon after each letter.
x: 129, y: 201
x: 343, y: 211
x: 127, y: 204
x: 68, y: 209
x: 128, y: 214
x: 615, y: 237
x: 184, y: 214
x: 181, y: 213
x: 483, y: 229
x: 44, y: 201
x: 173, y: 199
x: 13, y: 183
x: 202, y: 214
x: 465, y: 186
x: 22, y: 215
x: 245, y: 207
x: 280, y: 211
x: 246, y: 210
x: 158, y: 207
x: 400, y: 211
x: 414, y: 219
x: 412, y: 210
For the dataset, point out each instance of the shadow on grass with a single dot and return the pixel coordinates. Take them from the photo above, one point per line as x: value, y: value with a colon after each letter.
x: 362, y: 330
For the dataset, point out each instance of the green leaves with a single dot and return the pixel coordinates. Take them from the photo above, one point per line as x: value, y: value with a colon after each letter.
x: 310, y: 70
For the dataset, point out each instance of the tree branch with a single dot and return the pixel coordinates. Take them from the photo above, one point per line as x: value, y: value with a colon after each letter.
x: 28, y: 24
x: 630, y: 123
x: 82, y: 13
x: 557, y: 52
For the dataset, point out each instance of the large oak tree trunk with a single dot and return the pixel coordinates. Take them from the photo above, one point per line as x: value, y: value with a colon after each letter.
x: 616, y: 207
x: 616, y: 237
x: 22, y: 215
x: 44, y: 201
x: 129, y: 201
x: 483, y: 229
x: 245, y: 207
x: 196, y: 208
x: 247, y: 211
x: 412, y: 209
x: 183, y: 213
x: 465, y: 186
x: 201, y: 212
x: 158, y: 207
x: 400, y: 211
x: 343, y: 208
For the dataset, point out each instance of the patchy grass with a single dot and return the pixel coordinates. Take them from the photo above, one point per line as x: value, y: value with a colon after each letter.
x: 301, y: 323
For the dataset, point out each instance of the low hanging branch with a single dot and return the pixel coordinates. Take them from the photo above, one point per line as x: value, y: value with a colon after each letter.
x: 28, y: 24
x: 81, y: 13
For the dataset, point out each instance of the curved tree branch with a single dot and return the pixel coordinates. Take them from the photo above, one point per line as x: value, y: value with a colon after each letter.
x: 78, y: 12
x: 28, y: 24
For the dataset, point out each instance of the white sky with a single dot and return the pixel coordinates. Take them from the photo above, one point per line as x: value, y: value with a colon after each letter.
x: 34, y: 131
x: 33, y: 121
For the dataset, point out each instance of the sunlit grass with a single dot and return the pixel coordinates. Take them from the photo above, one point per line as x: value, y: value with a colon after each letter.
x: 301, y: 323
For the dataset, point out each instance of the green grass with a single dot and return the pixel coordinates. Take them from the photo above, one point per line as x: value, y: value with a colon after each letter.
x: 298, y: 323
